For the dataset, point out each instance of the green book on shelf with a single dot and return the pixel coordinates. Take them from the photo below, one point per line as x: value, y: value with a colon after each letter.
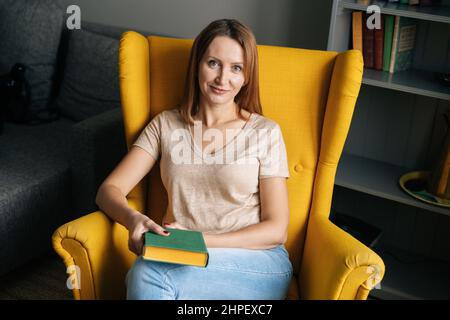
x: 388, y: 33
x: 403, y: 42
x: 181, y: 247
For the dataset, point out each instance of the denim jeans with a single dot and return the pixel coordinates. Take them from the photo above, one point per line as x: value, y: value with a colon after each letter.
x: 231, y: 274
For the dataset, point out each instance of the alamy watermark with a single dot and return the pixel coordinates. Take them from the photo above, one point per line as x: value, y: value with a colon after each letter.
x: 232, y: 146
x: 74, y: 279
x: 74, y: 20
x: 373, y: 17
x: 374, y: 280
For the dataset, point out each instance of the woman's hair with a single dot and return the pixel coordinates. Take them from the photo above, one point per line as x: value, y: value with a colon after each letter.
x: 248, y: 96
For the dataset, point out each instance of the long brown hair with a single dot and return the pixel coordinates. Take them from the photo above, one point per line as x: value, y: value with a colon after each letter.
x: 248, y: 97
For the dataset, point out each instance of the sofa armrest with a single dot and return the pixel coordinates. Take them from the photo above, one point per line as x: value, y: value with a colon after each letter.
x: 95, y: 250
x: 337, y: 266
x: 97, y: 146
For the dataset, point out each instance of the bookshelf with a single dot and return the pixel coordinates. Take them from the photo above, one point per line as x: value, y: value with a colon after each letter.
x: 439, y: 13
x: 379, y: 179
x: 370, y: 177
x: 419, y: 82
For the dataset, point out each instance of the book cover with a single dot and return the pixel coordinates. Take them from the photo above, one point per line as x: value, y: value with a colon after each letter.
x: 387, y: 47
x: 378, y: 45
x: 181, y: 247
x: 357, y: 30
x: 368, y: 44
x: 402, y: 44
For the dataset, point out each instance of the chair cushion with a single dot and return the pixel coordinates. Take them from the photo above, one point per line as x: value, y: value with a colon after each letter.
x: 30, y: 33
x: 90, y: 83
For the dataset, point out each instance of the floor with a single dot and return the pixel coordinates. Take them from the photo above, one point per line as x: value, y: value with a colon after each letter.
x: 41, y: 279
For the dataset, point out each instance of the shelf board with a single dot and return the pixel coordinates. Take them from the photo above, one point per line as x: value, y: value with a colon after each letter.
x: 413, y: 277
x: 438, y: 13
x: 379, y: 179
x: 419, y: 82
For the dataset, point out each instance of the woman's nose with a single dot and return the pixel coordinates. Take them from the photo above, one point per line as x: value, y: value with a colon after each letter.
x: 222, y: 76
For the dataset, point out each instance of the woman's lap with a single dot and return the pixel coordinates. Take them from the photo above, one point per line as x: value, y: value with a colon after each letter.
x: 231, y: 273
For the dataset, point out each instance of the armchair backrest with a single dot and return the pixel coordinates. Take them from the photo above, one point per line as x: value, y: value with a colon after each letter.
x: 311, y: 94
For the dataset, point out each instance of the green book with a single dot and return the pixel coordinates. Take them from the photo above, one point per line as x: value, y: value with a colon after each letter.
x: 181, y: 247
x: 403, y: 42
x: 388, y: 33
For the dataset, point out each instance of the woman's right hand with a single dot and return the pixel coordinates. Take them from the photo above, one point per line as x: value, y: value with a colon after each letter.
x: 139, y: 224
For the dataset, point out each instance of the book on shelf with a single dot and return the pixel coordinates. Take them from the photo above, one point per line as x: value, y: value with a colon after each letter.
x: 378, y: 45
x: 368, y: 44
x: 413, y: 2
x: 357, y: 36
x: 185, y: 247
x: 403, y: 40
x: 388, y: 33
x: 389, y: 48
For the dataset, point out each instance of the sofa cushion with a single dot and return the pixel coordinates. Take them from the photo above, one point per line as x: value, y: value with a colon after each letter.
x: 90, y: 82
x: 35, y: 193
x: 29, y: 33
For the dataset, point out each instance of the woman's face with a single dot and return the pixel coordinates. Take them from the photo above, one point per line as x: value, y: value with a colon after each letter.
x: 221, y: 71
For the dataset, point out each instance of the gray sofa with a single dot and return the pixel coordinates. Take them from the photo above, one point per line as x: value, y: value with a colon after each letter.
x: 50, y: 172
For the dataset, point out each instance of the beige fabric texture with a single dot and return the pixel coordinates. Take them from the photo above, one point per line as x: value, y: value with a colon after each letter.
x: 218, y: 192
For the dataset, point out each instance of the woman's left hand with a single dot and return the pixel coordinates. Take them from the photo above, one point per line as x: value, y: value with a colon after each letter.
x: 174, y: 225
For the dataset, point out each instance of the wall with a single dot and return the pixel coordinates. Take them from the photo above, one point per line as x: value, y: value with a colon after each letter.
x: 294, y: 23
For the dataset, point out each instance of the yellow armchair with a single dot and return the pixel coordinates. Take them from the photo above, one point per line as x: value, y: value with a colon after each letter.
x: 311, y: 95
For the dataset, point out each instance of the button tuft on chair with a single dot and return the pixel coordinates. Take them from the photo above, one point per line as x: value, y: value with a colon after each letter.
x: 298, y: 167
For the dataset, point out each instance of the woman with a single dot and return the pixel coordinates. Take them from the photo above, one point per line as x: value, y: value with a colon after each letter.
x: 235, y: 195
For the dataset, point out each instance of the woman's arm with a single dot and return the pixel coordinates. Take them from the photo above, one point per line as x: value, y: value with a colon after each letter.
x: 271, y: 231
x: 111, y: 196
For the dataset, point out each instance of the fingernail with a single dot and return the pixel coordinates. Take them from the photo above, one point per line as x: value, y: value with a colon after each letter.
x: 166, y: 232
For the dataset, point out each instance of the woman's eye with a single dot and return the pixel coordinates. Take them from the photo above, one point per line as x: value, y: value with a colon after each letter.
x: 237, y: 68
x: 212, y: 63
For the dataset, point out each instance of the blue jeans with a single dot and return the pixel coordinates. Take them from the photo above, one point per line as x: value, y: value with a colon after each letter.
x: 231, y: 274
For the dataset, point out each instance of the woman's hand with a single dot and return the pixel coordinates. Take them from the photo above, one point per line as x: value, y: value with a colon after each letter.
x: 139, y: 224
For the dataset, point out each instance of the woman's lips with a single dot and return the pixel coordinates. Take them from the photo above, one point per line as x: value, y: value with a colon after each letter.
x: 218, y: 91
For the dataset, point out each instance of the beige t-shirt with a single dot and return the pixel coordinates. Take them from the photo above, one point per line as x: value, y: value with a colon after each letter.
x: 216, y: 192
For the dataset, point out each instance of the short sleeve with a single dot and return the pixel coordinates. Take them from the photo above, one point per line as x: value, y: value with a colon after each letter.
x: 273, y: 158
x: 150, y: 137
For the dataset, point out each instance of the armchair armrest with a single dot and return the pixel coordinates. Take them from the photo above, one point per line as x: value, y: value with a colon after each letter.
x: 97, y: 146
x: 337, y: 266
x: 99, y: 248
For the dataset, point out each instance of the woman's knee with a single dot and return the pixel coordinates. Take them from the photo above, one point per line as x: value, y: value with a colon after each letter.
x: 135, y: 280
x: 146, y: 280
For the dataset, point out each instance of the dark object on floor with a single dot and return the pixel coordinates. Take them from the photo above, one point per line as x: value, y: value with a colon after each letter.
x: 364, y: 232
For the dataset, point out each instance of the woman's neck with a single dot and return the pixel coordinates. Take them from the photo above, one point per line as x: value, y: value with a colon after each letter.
x: 212, y: 116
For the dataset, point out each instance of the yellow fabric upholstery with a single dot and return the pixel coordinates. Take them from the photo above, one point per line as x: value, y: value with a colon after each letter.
x: 312, y: 95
